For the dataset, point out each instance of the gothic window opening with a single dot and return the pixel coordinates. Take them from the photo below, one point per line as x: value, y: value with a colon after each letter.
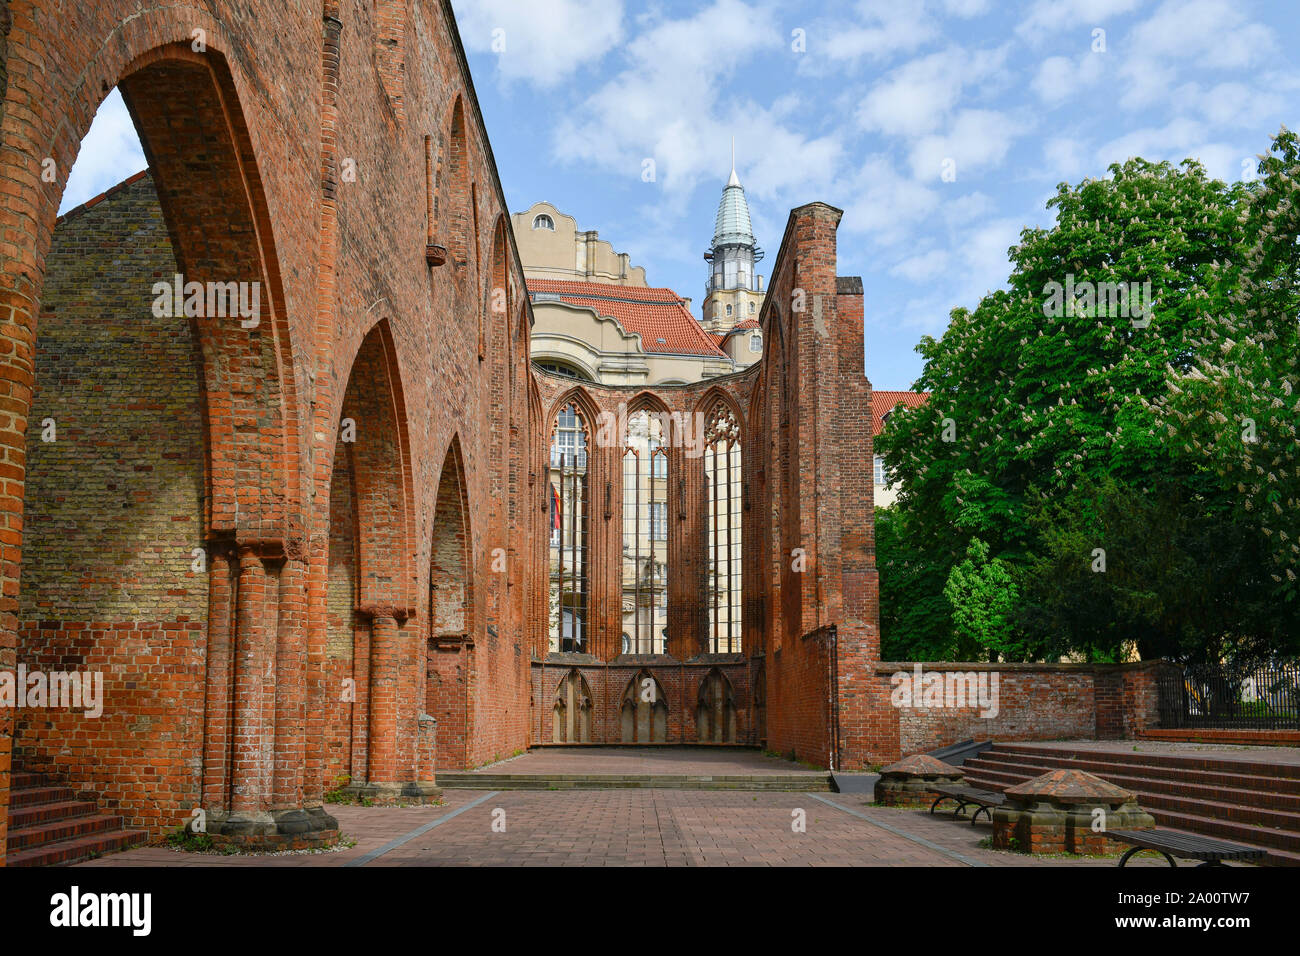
x: 715, y: 710
x: 722, y: 478
x: 645, y: 535
x: 571, y: 711
x: 569, y: 531
x: 643, y: 715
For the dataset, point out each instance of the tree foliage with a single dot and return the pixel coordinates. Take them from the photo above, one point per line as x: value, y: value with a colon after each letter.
x: 1061, y: 423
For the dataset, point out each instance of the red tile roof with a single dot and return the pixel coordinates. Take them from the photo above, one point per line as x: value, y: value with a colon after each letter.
x: 652, y: 313
x: 742, y: 326
x: 883, y: 402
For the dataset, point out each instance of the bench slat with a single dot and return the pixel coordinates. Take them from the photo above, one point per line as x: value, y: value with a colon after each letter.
x: 1187, y: 844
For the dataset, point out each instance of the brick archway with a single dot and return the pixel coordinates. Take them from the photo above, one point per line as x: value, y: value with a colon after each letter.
x: 451, y: 613
x: 224, y: 282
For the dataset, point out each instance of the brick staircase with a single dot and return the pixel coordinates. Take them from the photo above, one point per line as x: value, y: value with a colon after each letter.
x: 48, y: 825
x: 1251, y: 802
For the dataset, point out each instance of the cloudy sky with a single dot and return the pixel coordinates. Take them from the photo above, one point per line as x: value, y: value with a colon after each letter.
x: 940, y: 127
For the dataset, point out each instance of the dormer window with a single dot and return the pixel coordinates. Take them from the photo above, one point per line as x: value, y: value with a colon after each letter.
x: 543, y: 221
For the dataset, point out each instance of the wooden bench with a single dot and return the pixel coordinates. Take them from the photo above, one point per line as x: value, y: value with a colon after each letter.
x: 1187, y: 845
x: 983, y: 800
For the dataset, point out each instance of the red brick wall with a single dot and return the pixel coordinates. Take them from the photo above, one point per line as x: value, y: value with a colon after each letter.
x: 113, y: 514
x: 288, y: 153
x: 1035, y: 702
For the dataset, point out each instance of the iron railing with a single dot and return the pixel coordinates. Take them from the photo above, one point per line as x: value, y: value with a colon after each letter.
x: 1256, y: 697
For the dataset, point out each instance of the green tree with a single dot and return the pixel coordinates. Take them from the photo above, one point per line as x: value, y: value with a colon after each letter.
x: 1036, y: 393
x: 984, y: 597
x: 1238, y: 406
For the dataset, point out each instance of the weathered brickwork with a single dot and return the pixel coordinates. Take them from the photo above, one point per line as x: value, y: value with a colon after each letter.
x: 363, y: 459
x: 1034, y: 702
x: 113, y: 515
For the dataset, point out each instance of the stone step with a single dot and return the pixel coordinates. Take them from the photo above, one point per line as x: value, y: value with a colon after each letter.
x: 1133, y: 777
x: 1102, y: 766
x: 77, y: 849
x: 1252, y: 767
x: 43, y: 833
x: 521, y: 781
x: 1286, y: 826
x: 30, y: 815
x: 1210, y: 799
x: 42, y: 794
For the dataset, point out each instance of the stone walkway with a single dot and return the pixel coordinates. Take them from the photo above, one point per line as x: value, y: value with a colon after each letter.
x: 678, y: 761
x: 637, y: 828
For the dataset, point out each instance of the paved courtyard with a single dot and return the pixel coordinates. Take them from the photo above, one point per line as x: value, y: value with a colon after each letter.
x: 667, y: 761
x: 637, y: 828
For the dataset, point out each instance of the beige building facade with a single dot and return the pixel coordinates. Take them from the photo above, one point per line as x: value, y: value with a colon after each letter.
x: 597, y: 319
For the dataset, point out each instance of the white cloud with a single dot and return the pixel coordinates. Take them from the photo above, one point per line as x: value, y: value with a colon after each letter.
x: 666, y: 107
x: 545, y: 41
x: 976, y: 140
x: 1059, y: 78
x: 110, y: 152
x: 1211, y: 33
x: 915, y: 98
x: 1066, y: 157
x: 1052, y: 16
x: 884, y: 28
x: 923, y: 266
x: 884, y: 204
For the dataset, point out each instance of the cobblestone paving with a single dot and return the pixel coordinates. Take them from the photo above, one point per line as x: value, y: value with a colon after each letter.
x: 639, y: 828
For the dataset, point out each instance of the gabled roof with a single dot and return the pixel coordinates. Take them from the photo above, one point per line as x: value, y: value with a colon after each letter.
x: 743, y: 326
x: 652, y: 313
x: 883, y: 402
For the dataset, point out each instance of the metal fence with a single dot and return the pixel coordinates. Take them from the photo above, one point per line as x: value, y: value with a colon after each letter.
x: 1260, y: 697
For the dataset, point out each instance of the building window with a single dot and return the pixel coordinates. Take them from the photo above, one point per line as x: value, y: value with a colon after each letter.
x: 568, y: 551
x: 756, y: 342
x: 722, y: 482
x: 645, y: 532
x: 543, y: 221
x: 751, y: 308
x: 560, y: 368
x: 728, y: 310
x: 882, y: 475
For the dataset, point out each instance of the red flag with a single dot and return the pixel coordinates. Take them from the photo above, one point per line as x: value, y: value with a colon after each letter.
x: 555, y: 509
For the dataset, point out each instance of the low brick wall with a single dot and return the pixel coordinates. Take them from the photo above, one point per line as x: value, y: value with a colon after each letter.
x: 1033, y: 702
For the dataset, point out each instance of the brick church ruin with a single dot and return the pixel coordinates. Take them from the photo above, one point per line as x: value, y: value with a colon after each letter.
x: 346, y: 534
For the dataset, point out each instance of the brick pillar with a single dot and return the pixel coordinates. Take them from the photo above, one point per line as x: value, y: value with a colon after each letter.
x: 384, y: 691
x: 290, y: 687
x: 394, y: 741
x: 254, y: 688
x: 216, y: 722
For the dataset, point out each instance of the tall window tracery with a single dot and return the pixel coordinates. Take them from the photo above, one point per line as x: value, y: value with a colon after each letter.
x: 645, y: 535
x: 722, y: 482
x: 569, y: 531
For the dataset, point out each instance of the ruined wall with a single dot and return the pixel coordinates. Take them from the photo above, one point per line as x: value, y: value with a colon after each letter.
x: 1033, y: 702
x: 113, y: 514
x: 300, y: 153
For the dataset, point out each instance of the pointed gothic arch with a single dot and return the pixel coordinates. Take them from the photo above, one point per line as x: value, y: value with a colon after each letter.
x: 643, y: 712
x: 571, y: 710
x: 715, y: 710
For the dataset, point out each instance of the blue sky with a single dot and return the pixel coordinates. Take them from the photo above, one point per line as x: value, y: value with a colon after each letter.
x: 883, y: 97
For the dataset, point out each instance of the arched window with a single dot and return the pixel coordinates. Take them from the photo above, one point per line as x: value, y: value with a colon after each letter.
x: 568, y: 557
x: 728, y: 310
x: 543, y: 221
x: 563, y: 368
x: 722, y: 476
x: 645, y: 533
x: 756, y: 343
